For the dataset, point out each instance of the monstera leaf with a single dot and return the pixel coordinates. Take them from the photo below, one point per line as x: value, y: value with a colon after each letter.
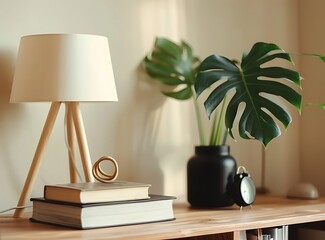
x: 252, y: 82
x: 173, y: 65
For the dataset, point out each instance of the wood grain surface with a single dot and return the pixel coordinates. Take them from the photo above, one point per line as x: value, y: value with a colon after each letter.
x: 222, y: 224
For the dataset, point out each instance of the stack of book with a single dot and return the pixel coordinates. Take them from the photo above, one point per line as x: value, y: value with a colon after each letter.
x: 95, y: 205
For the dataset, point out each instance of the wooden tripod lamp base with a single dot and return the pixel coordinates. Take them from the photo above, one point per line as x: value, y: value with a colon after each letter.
x: 74, y: 121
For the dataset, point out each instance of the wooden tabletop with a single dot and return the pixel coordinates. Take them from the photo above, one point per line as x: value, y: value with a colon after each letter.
x: 267, y: 211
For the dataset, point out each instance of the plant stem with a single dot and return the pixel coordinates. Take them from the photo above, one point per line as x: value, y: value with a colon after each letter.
x: 198, y: 118
x: 225, y: 136
x: 213, y: 130
x: 220, y: 122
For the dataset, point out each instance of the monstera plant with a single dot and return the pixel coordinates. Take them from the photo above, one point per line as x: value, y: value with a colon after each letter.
x: 175, y: 65
x: 247, y: 91
x: 251, y: 82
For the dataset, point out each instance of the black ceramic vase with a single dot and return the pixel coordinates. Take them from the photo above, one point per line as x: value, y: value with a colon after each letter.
x: 210, y: 174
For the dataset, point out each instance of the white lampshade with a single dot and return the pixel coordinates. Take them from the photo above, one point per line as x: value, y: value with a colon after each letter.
x: 63, y: 68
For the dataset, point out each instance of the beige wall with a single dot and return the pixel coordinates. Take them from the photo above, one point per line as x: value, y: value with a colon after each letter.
x: 312, y: 39
x: 151, y: 137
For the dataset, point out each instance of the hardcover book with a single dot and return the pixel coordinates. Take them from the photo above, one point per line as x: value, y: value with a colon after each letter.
x: 108, y: 214
x: 93, y: 192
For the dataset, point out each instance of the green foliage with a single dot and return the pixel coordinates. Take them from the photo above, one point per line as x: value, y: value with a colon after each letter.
x: 251, y: 82
x: 322, y: 106
x: 322, y: 58
x: 173, y: 65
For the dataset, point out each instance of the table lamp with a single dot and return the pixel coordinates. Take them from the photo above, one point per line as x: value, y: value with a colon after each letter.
x: 62, y: 68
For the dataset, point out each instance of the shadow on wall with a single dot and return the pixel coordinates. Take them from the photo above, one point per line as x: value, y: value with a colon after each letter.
x: 137, y: 138
x: 8, y: 112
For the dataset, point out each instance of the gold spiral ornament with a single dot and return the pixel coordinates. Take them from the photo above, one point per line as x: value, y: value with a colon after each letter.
x: 102, y: 176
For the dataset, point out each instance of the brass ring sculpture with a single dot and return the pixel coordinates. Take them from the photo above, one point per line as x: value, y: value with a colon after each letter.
x: 101, y: 175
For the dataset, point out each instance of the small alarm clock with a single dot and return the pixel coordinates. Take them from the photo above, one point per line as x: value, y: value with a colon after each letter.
x: 244, y: 189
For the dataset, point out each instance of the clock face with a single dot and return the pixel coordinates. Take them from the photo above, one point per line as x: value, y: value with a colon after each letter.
x: 248, y: 190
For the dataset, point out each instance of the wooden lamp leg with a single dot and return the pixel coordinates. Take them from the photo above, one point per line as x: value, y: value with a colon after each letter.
x: 71, y: 143
x: 34, y: 168
x: 74, y: 122
x: 82, y: 141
